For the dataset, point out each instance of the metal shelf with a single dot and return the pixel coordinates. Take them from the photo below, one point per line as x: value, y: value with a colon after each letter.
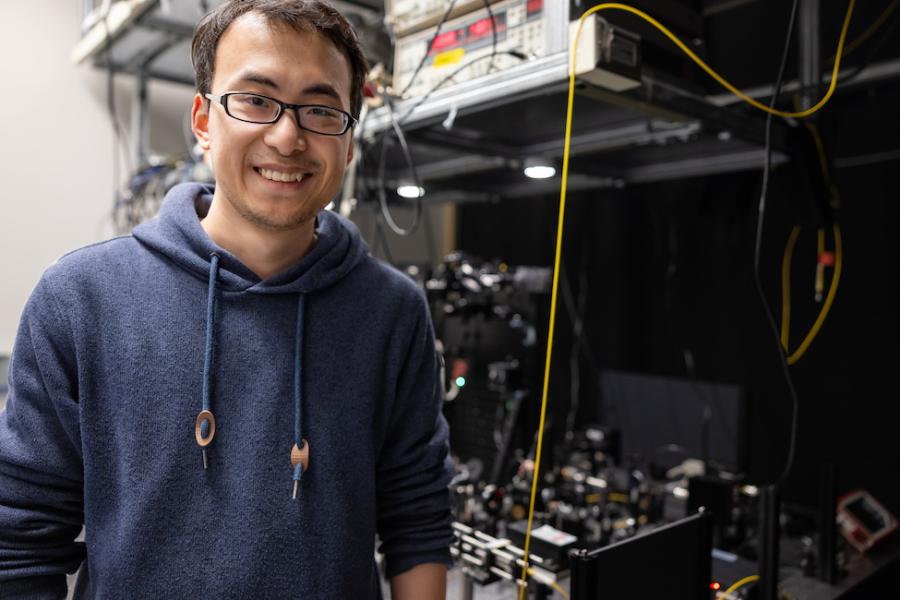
x: 495, y: 121
x: 469, y: 140
x: 151, y: 40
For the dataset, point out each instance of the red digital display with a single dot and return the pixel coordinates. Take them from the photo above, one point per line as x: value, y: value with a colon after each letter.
x: 534, y: 6
x: 480, y: 27
x: 444, y: 40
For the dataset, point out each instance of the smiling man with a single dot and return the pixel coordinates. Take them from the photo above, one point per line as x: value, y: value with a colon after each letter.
x: 237, y: 398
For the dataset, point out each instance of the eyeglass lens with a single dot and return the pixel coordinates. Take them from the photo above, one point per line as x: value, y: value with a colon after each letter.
x: 259, y: 109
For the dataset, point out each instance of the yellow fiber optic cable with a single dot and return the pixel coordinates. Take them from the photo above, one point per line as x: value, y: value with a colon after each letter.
x: 559, y: 589
x: 739, y: 584
x: 742, y: 582
x: 788, y: 258
x: 721, y: 80
x: 829, y: 299
x: 562, y: 211
x: 865, y: 35
x: 823, y: 164
x: 786, y: 287
x: 553, y: 297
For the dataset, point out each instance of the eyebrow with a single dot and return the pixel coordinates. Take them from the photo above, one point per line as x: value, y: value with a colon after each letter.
x: 317, y: 89
x: 251, y: 77
x: 322, y: 89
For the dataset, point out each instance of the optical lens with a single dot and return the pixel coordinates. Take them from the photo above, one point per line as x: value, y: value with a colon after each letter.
x: 323, y: 119
x: 250, y: 107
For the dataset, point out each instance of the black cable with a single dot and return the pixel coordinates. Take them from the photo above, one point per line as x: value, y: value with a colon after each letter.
x: 493, y: 54
x: 365, y: 191
x: 443, y: 81
x: 382, y: 192
x: 767, y: 167
x: 422, y: 99
x: 380, y: 236
x: 397, y: 130
x: 397, y: 123
x: 437, y: 31
x: 487, y: 7
x: 874, y: 50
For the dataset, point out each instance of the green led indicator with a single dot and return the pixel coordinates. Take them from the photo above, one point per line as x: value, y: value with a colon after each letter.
x: 460, y: 381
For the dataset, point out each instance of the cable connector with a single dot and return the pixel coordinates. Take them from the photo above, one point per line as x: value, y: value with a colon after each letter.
x: 607, y: 56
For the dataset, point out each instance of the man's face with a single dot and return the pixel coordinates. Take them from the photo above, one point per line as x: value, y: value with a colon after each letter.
x: 251, y: 161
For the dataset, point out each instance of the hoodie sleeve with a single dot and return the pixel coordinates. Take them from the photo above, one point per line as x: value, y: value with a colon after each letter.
x: 41, y: 472
x: 414, y: 468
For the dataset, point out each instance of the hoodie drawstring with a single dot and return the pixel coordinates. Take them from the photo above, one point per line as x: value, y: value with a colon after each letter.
x: 300, y: 451
x: 205, y: 428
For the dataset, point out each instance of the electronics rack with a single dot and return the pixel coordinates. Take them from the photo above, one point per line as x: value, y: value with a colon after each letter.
x: 409, y: 16
x: 458, y: 113
x: 532, y: 28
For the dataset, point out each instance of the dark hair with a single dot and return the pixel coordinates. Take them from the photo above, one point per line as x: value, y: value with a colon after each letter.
x: 301, y: 15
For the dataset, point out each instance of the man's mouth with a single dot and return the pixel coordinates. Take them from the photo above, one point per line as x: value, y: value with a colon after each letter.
x: 281, y: 176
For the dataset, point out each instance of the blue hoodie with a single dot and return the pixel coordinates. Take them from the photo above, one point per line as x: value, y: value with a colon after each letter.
x: 121, y: 346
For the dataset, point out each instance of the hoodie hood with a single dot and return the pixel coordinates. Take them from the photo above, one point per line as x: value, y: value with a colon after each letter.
x: 176, y: 232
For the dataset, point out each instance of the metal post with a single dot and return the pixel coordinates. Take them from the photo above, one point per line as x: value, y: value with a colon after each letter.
x: 808, y: 52
x: 584, y: 575
x: 139, y: 121
x: 827, y: 523
x: 468, y: 587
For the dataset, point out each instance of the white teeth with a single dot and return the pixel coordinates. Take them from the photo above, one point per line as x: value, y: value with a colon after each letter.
x: 279, y: 176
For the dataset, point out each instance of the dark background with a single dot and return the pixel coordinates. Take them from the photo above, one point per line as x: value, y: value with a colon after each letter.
x: 668, y: 270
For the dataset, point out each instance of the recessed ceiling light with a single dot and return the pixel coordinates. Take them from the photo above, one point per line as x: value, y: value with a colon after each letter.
x: 540, y: 171
x: 410, y: 191
x: 536, y: 167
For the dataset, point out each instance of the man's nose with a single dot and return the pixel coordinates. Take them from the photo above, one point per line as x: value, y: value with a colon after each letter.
x: 285, y: 135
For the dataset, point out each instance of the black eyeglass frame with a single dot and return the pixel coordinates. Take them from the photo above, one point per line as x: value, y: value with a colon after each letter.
x: 282, y: 108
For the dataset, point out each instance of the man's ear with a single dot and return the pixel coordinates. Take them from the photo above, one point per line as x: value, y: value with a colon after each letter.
x: 200, y: 121
x: 350, y: 149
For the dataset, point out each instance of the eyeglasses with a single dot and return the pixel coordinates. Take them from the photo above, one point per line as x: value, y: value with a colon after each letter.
x: 256, y: 108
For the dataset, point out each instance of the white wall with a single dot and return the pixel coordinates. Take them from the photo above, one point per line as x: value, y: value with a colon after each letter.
x: 56, y: 187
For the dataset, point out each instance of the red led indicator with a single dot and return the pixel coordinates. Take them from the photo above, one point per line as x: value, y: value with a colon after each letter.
x: 715, y: 585
x: 534, y: 6
x: 444, y: 40
x: 480, y: 28
x: 460, y: 368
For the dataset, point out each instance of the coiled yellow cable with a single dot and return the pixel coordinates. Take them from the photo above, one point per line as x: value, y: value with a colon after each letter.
x: 786, y: 293
x: 562, y: 207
